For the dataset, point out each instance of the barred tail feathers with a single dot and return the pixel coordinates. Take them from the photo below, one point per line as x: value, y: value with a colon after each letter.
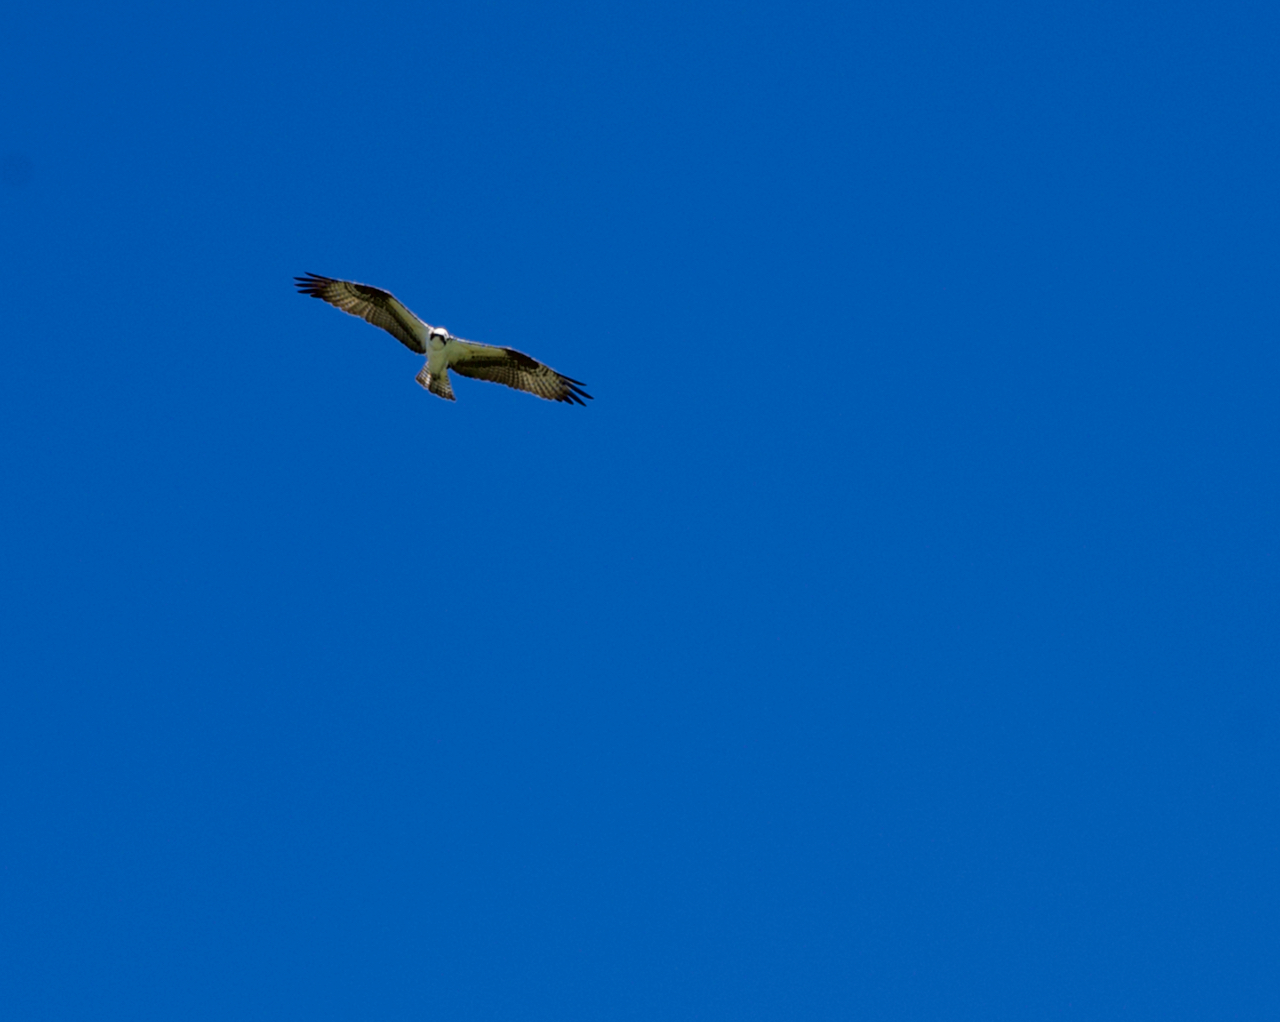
x: 437, y: 383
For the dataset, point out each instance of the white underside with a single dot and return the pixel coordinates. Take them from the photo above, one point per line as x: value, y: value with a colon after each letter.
x: 443, y: 353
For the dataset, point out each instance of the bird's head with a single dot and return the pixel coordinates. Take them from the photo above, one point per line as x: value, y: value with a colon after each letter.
x: 438, y: 337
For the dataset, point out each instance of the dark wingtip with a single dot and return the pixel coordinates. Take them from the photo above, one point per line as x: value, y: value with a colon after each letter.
x: 311, y: 283
x: 573, y: 392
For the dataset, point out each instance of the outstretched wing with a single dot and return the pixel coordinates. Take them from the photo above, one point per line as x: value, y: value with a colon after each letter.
x: 371, y: 304
x: 518, y: 370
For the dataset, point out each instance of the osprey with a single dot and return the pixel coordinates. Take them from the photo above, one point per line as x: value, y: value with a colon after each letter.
x: 443, y: 350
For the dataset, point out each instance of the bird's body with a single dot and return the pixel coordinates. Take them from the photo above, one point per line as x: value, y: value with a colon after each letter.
x: 443, y: 350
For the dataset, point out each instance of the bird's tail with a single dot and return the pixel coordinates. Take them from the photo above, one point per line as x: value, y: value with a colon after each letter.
x: 437, y: 383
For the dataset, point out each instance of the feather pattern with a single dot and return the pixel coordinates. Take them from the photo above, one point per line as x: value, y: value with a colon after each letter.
x: 437, y: 383
x: 372, y: 304
x: 517, y: 370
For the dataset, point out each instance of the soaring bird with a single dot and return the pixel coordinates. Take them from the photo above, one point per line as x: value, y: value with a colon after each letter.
x: 443, y: 350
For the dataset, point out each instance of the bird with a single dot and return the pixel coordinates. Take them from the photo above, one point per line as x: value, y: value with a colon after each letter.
x: 444, y: 351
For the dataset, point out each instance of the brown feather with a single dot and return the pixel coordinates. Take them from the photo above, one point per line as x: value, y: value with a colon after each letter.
x: 517, y: 370
x: 372, y: 304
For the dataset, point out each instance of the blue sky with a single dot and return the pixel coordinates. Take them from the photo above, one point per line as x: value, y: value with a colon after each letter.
x: 893, y: 637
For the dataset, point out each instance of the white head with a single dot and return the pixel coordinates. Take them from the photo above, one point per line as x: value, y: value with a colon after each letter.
x: 438, y: 338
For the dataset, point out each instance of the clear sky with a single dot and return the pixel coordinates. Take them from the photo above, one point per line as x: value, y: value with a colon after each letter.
x: 893, y: 637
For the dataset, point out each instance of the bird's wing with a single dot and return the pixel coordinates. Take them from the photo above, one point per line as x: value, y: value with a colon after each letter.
x: 518, y: 370
x: 371, y: 304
